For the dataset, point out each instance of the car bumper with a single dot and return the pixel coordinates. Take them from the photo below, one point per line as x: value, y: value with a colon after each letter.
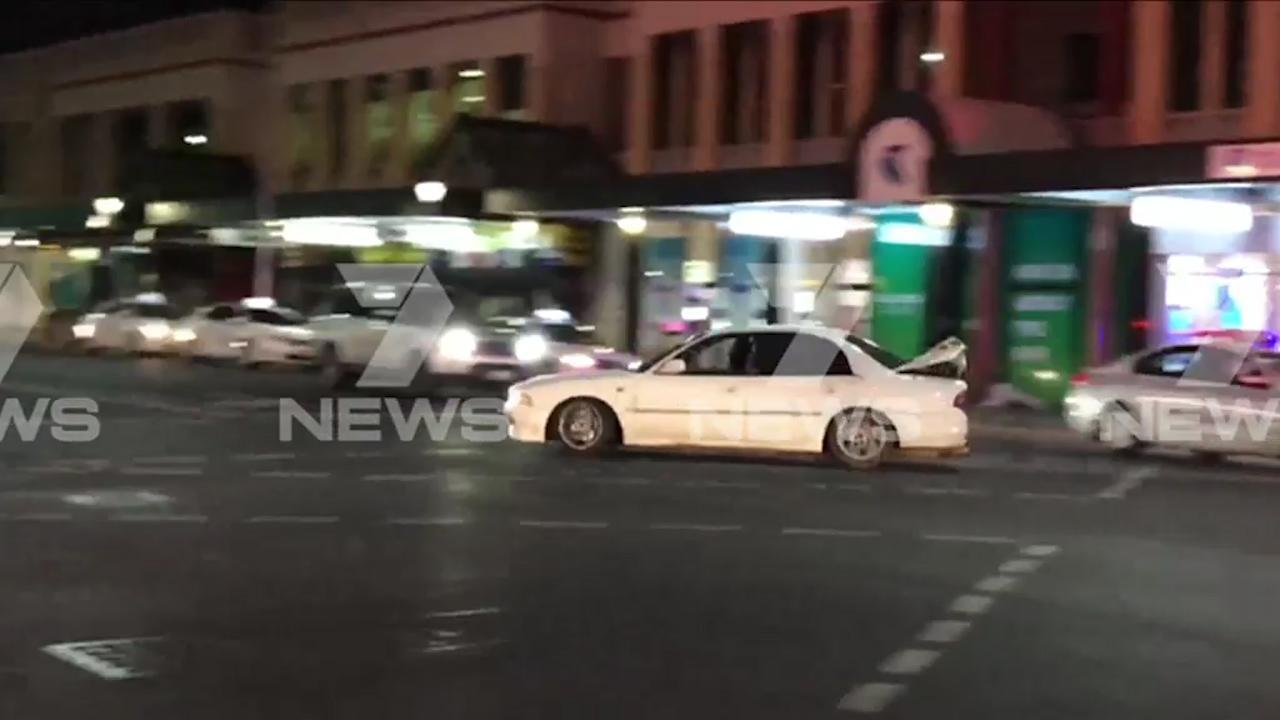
x: 1081, y: 411
x: 525, y: 423
x: 939, y: 433
x: 285, y: 352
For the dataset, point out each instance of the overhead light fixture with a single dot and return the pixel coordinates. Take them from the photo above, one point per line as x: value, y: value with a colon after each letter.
x: 431, y: 191
x: 325, y: 231
x: 937, y: 214
x: 632, y: 223
x: 26, y: 242
x: 97, y: 222
x: 932, y: 57
x: 144, y: 235
x: 85, y: 254
x: 471, y: 73
x: 796, y: 226
x: 108, y: 205
x: 195, y: 139
x: 1168, y: 212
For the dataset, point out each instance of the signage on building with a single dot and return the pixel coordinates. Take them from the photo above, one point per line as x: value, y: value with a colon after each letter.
x: 1247, y: 160
x: 893, y: 163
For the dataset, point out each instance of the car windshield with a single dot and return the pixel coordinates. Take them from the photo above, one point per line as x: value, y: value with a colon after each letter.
x: 149, y: 310
x: 877, y: 353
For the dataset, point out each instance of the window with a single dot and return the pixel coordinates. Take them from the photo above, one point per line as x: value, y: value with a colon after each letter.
x: 1236, y: 17
x: 1184, y: 81
x: 467, y: 88
x: 221, y: 313
x: 337, y: 114
x: 745, y: 83
x: 129, y: 140
x: 675, y: 90
x: 1081, y: 61
x: 188, y: 124
x: 617, y: 78
x: 301, y: 136
x: 379, y: 127
x: 424, y: 123
x: 511, y: 80
x: 798, y: 355
x: 276, y: 317
x: 821, y: 48
x: 722, y: 355
x: 1170, y: 362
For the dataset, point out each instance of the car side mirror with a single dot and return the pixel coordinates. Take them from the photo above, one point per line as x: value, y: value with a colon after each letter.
x: 674, y: 366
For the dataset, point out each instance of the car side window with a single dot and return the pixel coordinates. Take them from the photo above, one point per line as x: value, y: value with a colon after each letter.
x: 724, y: 355
x: 1170, y: 362
x: 799, y: 355
x: 221, y: 313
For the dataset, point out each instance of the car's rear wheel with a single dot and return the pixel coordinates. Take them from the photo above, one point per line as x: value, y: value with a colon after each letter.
x: 860, y: 438
x: 1117, y: 429
x: 249, y: 356
x: 584, y: 425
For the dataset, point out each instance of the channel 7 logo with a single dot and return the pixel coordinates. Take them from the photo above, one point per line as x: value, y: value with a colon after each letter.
x: 422, y: 309
x: 20, y: 310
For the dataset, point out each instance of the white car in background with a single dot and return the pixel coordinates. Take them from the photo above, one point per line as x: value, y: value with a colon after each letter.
x: 773, y: 388
x: 505, y: 349
x: 1214, y: 398
x: 254, y: 332
x: 140, y: 326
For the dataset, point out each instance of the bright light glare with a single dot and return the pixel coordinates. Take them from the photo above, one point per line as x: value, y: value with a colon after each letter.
x: 184, y: 335
x: 6, y: 237
x: 108, y: 205
x: 695, y: 313
x: 471, y: 73
x: 799, y: 226
x: 85, y: 254
x: 937, y: 214
x: 154, y: 331
x: 525, y: 229
x: 932, y: 56
x: 803, y: 301
x: 457, y: 344
x: 894, y: 233
x: 26, y: 243
x: 1046, y: 375
x: 325, y: 231
x: 196, y: 139
x: 530, y: 348
x: 553, y: 315
x: 1191, y: 214
x: 632, y: 224
x: 577, y: 361
x: 259, y: 303
x: 431, y: 191
x: 84, y: 331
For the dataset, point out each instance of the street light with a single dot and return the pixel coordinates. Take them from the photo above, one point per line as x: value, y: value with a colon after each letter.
x: 932, y: 57
x: 195, y: 139
x: 108, y: 205
x: 431, y: 191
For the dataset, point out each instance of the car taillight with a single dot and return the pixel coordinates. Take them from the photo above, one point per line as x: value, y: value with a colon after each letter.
x: 1080, y: 378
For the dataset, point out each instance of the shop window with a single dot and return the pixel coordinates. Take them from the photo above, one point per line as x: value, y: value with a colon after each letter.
x: 336, y: 109
x: 617, y: 73
x: 424, y: 121
x: 745, y: 82
x: 301, y: 136
x: 511, y: 85
x: 1236, y: 17
x: 1184, y: 81
x: 379, y: 126
x: 1081, y: 62
x: 467, y: 89
x: 821, y: 48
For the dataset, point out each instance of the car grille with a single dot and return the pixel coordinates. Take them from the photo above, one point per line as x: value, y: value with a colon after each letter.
x: 499, y: 348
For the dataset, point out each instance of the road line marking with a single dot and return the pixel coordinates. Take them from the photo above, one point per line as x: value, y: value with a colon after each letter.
x: 870, y: 697
x: 1127, y: 483
x: 996, y: 584
x: 292, y: 474
x: 853, y: 487
x: 83, y: 656
x: 1020, y: 565
x: 42, y: 516
x: 983, y: 539
x: 400, y: 477
x: 577, y: 524
x: 928, y: 490
x: 694, y: 527
x: 1052, y: 496
x: 171, y: 459
x: 293, y: 519
x: 943, y: 631
x: 367, y: 453
x: 909, y: 661
x: 161, y: 471
x: 262, y: 457
x: 427, y: 521
x: 470, y: 612
x: 145, y: 518
x: 830, y: 532
x: 970, y: 604
x: 1040, y: 550
x: 446, y: 452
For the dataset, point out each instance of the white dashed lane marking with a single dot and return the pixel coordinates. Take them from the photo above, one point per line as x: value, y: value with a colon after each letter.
x: 871, y: 697
x: 1131, y: 480
x: 970, y: 604
x: 996, y: 584
x: 159, y: 518
x: 693, y: 527
x: 1020, y: 565
x: 292, y: 475
x: 293, y: 519
x: 400, y: 477
x: 909, y: 661
x: 1066, y: 497
x: 1040, y: 550
x: 262, y: 457
x: 943, y: 631
x: 980, y: 539
x: 948, y: 491
x: 830, y: 532
x: 171, y: 460
x: 427, y: 521
x: 162, y: 471
x: 567, y: 524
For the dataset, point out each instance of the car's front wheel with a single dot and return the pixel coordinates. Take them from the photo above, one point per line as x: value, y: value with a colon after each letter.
x: 1117, y: 428
x: 584, y: 425
x: 860, y: 438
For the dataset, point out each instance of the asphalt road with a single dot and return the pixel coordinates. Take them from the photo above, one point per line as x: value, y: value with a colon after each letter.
x: 188, y: 563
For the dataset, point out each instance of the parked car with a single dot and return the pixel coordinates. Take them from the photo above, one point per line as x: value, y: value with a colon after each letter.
x: 1214, y: 398
x: 140, y: 326
x: 254, y: 332
x: 772, y: 388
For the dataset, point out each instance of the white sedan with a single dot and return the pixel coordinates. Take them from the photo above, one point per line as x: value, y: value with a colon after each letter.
x: 252, y: 334
x: 1212, y: 398
x: 138, y: 326
x: 774, y: 388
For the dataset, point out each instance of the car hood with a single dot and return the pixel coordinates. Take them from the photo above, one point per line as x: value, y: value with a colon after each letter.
x: 586, y: 377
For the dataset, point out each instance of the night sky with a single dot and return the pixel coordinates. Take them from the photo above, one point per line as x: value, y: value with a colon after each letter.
x: 31, y: 23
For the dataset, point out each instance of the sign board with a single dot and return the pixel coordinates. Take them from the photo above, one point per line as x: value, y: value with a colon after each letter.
x: 1247, y: 160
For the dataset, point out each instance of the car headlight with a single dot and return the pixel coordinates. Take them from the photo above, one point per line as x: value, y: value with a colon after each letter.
x: 577, y: 361
x: 83, y: 331
x: 184, y: 335
x: 530, y: 348
x: 154, y: 331
x: 457, y: 344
